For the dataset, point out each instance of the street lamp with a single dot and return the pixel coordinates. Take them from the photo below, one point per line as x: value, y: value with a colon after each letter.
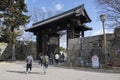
x: 103, y: 18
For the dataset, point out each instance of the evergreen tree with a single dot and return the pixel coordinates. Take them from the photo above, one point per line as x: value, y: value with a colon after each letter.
x: 13, y: 13
x: 4, y: 34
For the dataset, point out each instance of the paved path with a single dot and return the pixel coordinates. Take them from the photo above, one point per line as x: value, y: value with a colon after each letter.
x: 16, y: 71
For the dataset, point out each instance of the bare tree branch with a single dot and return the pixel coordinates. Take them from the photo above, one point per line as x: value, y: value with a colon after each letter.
x: 38, y: 14
x: 112, y: 9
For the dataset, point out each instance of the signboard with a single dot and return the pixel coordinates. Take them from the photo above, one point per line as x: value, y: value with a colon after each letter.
x: 95, y: 61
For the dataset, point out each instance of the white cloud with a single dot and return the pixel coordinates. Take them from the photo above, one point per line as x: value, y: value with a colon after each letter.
x: 58, y: 7
x: 26, y: 1
x: 98, y: 32
x: 44, y: 9
x: 76, y: 3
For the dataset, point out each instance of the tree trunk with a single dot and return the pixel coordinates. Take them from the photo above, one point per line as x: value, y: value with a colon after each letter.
x: 13, y: 44
x: 13, y: 52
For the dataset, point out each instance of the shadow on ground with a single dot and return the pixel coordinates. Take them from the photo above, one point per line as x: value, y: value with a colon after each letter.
x: 23, y: 72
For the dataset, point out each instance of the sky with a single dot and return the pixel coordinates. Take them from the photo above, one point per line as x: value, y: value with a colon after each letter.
x: 64, y: 5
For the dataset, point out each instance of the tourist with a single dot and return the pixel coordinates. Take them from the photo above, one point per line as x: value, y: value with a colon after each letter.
x: 41, y: 59
x: 62, y: 57
x: 51, y: 58
x: 29, y: 61
x: 45, y: 62
x: 57, y: 58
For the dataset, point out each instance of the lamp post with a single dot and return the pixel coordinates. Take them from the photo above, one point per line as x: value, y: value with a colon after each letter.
x: 103, y: 18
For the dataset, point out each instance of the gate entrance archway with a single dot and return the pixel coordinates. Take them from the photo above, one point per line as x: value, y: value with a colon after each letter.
x: 47, y: 31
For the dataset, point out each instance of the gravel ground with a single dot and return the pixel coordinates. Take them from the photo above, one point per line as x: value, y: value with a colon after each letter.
x: 16, y: 71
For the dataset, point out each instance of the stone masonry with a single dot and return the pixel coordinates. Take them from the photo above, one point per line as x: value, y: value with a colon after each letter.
x: 82, y: 49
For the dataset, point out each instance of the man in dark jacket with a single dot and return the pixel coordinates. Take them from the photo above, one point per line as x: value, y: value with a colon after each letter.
x: 29, y: 61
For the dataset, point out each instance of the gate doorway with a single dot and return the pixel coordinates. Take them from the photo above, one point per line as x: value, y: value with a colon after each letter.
x: 47, y: 31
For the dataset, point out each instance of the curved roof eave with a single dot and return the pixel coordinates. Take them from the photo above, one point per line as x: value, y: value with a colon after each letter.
x: 60, y: 16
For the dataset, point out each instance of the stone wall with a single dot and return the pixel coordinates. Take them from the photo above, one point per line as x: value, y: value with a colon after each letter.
x: 21, y: 51
x: 82, y: 49
x: 116, y: 47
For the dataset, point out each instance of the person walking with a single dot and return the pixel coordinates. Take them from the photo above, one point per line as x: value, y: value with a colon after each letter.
x: 51, y: 58
x: 41, y: 59
x: 62, y: 58
x: 29, y: 61
x: 57, y: 58
x: 45, y: 62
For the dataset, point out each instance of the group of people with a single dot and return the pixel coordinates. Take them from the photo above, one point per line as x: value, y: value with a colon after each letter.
x: 44, y: 62
x: 57, y: 58
x: 53, y: 58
